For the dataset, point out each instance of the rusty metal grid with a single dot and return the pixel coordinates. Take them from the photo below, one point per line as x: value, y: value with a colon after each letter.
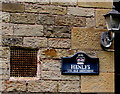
x: 23, y: 62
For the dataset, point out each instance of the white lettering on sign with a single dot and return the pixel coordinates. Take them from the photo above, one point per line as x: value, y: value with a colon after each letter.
x: 81, y: 67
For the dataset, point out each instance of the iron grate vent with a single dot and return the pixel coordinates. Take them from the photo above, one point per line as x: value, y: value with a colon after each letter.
x: 23, y: 62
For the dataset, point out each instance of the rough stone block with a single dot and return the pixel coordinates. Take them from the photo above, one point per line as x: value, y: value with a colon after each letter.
x: 7, y: 29
x: 25, y: 18
x: 57, y: 31
x: 4, y: 53
x: 15, y: 85
x: 56, y: 75
x: 70, y: 20
x: 59, y: 43
x: 106, y: 61
x: 28, y: 30
x: 64, y: 2
x: 48, y: 75
x: 100, y: 20
x: 1, y: 85
x: 50, y: 65
x: 45, y: 20
x: 35, y: 42
x: 5, y: 17
x: 99, y: 83
x: 12, y: 7
x: 90, y: 22
x: 42, y: 86
x: 95, y: 4
x: 12, y: 41
x: 69, y: 86
x: 56, y: 53
x: 86, y: 38
x: 45, y: 9
x: 81, y: 11
x: 4, y: 77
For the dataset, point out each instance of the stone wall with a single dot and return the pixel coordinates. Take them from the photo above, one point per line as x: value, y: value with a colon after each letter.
x: 58, y: 29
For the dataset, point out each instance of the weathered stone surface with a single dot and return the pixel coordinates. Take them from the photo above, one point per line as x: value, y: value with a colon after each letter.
x: 15, y: 85
x: 5, y: 17
x: 12, y: 41
x: 4, y: 77
x: 4, y: 64
x: 42, y: 86
x: 28, y: 30
x: 5, y: 54
x: 59, y: 43
x: 57, y: 31
x: 1, y: 86
x: 56, y: 75
x: 100, y: 83
x: 45, y: 9
x: 86, y: 38
x: 106, y: 61
x: 27, y: 1
x: 7, y: 29
x: 71, y: 86
x: 90, y: 22
x: 95, y: 4
x: 81, y: 11
x: 100, y: 20
x: 64, y: 2
x: 70, y: 20
x: 25, y: 18
x: 4, y: 71
x: 56, y: 53
x: 35, y: 42
x: 50, y: 65
x: 45, y: 20
x: 12, y: 7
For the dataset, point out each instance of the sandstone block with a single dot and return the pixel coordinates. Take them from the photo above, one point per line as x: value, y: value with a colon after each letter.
x: 1, y: 85
x: 64, y: 2
x: 15, y: 85
x: 50, y: 65
x: 7, y: 29
x: 28, y: 30
x: 70, y: 20
x: 48, y: 75
x: 95, y: 4
x: 86, y: 38
x: 90, y: 22
x: 45, y: 9
x: 12, y: 41
x: 81, y: 11
x: 56, y: 75
x: 57, y: 31
x: 71, y: 86
x: 4, y: 77
x: 100, y: 20
x: 106, y: 61
x: 4, y: 53
x: 29, y: 1
x: 5, y: 17
x: 35, y: 42
x: 99, y: 83
x: 25, y: 18
x: 59, y: 43
x: 45, y: 20
x: 12, y: 7
x: 56, y: 53
x: 42, y: 86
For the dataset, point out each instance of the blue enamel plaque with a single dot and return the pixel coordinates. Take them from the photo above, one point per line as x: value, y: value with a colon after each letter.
x: 79, y: 64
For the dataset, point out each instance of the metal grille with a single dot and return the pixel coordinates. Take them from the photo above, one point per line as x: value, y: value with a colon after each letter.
x: 23, y: 62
